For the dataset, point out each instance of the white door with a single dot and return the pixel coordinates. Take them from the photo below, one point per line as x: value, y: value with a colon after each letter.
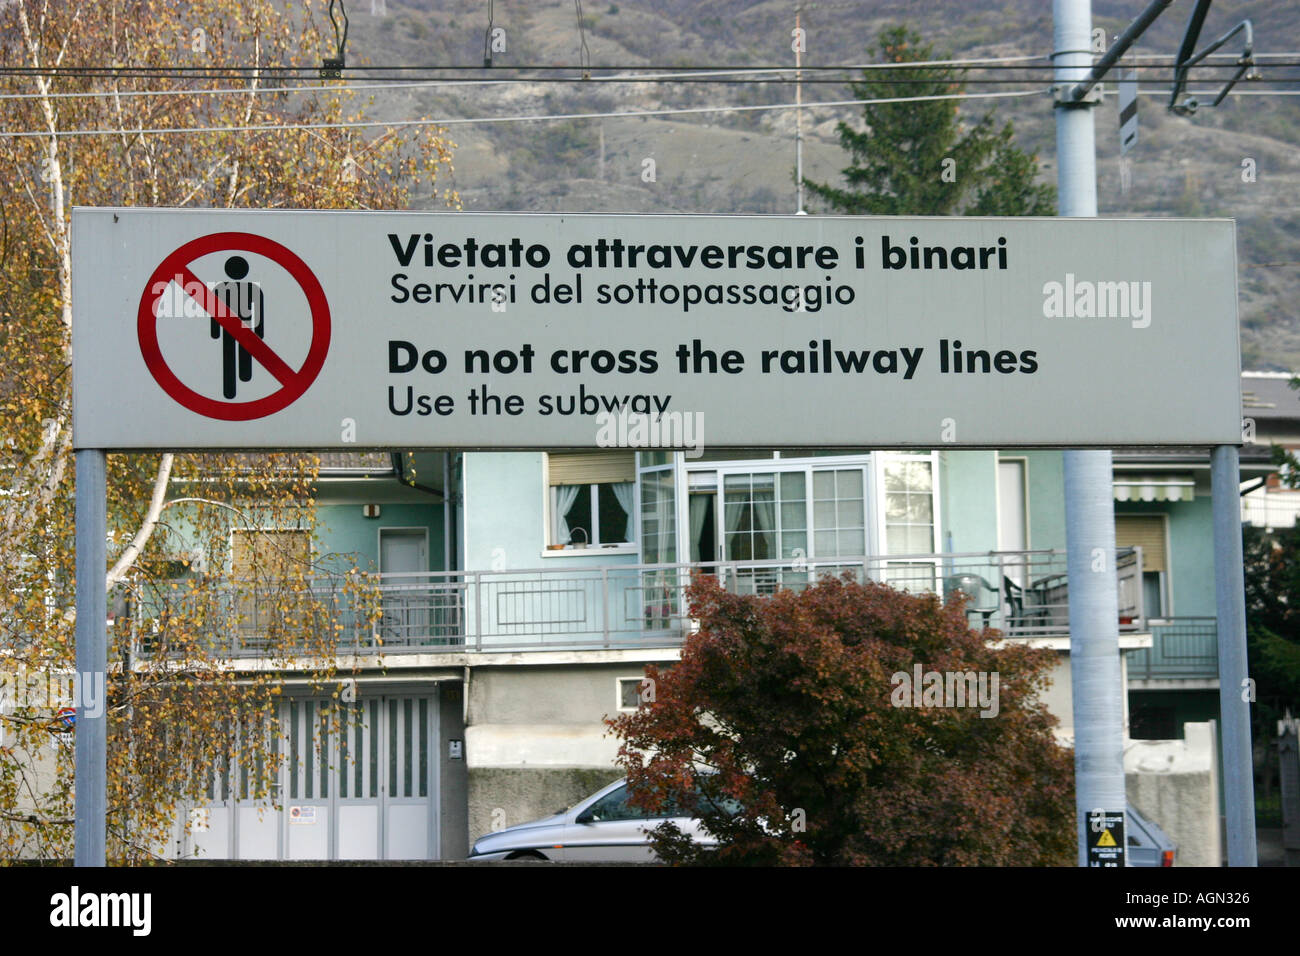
x: 1013, y: 534
x: 258, y: 822
x: 409, y: 807
x: 308, y: 766
x: 359, y: 781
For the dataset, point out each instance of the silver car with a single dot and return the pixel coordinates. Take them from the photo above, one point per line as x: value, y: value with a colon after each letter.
x: 603, y: 827
x: 1148, y: 844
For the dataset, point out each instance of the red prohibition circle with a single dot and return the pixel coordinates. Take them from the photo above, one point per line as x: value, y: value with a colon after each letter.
x: 297, y: 381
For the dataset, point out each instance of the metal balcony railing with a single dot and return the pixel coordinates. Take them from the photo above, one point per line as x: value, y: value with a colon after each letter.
x: 1182, y: 648
x: 1023, y: 594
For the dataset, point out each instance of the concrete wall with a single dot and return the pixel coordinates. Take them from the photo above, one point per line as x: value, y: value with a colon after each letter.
x: 536, y: 741
x: 453, y: 775
x: 1059, y: 696
x: 1175, y: 783
x: 504, y: 796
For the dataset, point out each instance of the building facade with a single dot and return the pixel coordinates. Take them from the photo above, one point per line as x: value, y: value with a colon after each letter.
x: 522, y: 595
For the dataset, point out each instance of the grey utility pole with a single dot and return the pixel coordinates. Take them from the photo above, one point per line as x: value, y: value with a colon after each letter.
x: 1090, y: 517
x: 1235, y: 691
x: 1095, y: 680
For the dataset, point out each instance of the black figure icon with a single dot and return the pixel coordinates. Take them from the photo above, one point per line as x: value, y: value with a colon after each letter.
x: 242, y: 299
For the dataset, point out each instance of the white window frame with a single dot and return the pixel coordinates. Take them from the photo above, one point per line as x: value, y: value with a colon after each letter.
x: 782, y: 465
x: 618, y: 692
x: 872, y: 464
x: 882, y: 531
x: 595, y: 546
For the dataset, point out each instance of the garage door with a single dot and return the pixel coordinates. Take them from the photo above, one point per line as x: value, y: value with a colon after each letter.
x: 355, y: 782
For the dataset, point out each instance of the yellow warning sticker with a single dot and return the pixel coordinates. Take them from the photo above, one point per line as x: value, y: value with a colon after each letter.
x: 1106, y: 839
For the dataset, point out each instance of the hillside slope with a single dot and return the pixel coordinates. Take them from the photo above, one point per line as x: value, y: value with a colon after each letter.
x: 742, y: 162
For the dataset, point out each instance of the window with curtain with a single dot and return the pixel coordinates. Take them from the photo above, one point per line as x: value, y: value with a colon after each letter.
x: 909, y: 506
x: 658, y: 517
x: 591, y: 495
x: 909, y: 521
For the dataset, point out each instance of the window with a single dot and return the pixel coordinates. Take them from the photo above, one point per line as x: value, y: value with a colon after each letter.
x: 264, y: 565
x: 632, y: 690
x: 613, y: 806
x: 591, y: 498
x: 909, y: 521
x: 909, y: 506
x: 1148, y: 533
x: 839, y: 516
x: 269, y: 555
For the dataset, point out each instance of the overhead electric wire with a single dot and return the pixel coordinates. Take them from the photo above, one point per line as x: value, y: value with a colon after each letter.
x: 709, y: 77
x: 612, y: 114
x: 461, y: 121
x: 606, y: 81
x: 669, y: 75
x: 627, y: 71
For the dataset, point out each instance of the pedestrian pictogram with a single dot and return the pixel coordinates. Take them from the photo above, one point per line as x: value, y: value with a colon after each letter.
x: 236, y: 307
x: 246, y: 302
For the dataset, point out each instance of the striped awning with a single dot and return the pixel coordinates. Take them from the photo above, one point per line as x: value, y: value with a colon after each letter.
x: 1165, y: 487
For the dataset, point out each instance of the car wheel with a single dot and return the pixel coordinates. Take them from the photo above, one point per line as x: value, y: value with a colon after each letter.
x: 526, y: 855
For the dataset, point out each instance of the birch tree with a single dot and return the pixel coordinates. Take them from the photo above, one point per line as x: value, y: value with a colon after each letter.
x: 87, y: 89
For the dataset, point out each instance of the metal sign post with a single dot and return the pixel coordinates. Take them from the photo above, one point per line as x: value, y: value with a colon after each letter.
x: 1236, y: 692
x: 91, y: 740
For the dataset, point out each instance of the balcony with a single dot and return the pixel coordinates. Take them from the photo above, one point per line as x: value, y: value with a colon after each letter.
x: 1182, y: 649
x: 1023, y: 594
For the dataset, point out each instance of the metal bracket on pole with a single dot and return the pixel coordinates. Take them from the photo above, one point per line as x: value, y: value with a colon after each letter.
x: 1080, y: 90
x: 1063, y: 95
x: 1186, y: 61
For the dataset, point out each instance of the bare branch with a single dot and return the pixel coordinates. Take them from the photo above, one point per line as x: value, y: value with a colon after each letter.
x: 142, y: 535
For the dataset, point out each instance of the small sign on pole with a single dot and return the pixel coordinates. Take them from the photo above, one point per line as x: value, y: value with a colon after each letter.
x: 1128, y: 111
x: 1106, y: 838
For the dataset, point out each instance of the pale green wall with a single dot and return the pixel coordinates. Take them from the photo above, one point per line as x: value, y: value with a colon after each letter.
x: 1191, y: 551
x: 1046, y: 484
x: 969, y: 494
x: 343, y: 530
x: 968, y: 497
x: 505, y: 510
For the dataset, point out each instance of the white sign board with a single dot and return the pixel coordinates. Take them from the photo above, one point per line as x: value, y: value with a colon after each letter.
x: 202, y: 329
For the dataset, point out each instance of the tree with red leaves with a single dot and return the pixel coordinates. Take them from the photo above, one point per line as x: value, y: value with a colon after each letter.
x: 793, y: 728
